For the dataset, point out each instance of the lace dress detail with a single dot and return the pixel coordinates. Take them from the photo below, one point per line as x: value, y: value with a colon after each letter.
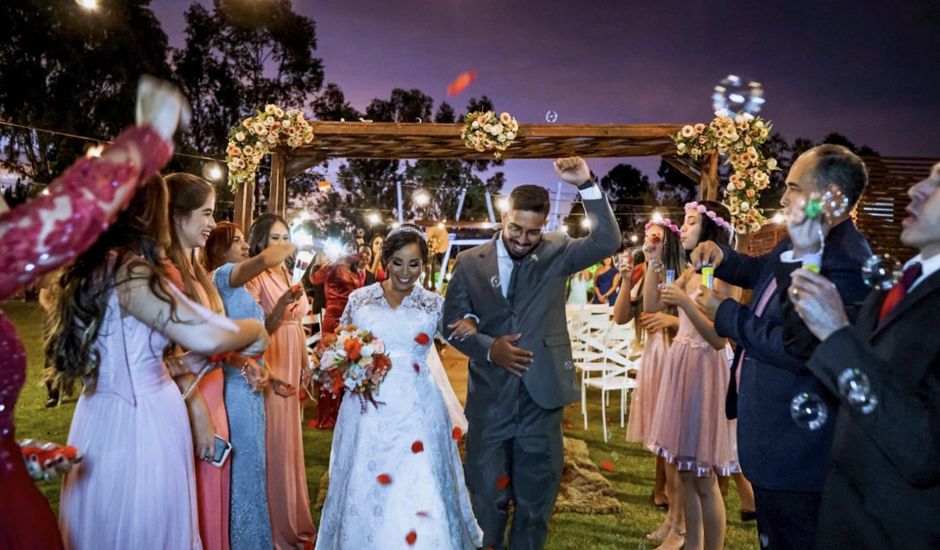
x: 40, y: 236
x: 407, y: 437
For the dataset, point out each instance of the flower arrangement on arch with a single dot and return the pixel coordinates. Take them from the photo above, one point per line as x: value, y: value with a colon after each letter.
x: 484, y: 131
x: 739, y: 139
x: 255, y: 136
x: 351, y: 359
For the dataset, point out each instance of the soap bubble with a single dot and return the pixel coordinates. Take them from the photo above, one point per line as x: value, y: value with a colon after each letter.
x: 551, y: 116
x: 856, y: 388
x: 881, y: 271
x: 808, y: 411
x: 737, y: 96
x: 834, y: 204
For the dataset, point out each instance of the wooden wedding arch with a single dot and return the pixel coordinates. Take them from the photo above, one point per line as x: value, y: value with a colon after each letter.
x: 393, y: 140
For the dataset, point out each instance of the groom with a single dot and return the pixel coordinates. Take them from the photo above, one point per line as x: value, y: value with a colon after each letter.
x: 521, y: 372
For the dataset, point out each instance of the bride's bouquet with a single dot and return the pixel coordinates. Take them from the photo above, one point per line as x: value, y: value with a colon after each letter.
x: 353, y: 359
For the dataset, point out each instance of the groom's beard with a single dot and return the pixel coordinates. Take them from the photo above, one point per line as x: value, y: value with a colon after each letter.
x: 508, y: 244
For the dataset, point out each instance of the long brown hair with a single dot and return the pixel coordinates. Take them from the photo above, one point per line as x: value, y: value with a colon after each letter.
x: 219, y: 242
x: 138, y: 238
x: 187, y: 193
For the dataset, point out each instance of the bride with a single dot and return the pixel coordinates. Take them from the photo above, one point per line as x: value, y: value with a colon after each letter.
x: 395, y: 476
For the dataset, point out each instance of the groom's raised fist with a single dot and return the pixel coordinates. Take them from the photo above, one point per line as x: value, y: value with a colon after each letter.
x: 504, y: 353
x: 573, y: 170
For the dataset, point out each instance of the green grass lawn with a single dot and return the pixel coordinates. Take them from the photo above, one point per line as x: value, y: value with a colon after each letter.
x: 632, y: 476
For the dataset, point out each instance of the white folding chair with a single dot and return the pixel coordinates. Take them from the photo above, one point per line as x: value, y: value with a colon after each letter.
x: 615, y: 379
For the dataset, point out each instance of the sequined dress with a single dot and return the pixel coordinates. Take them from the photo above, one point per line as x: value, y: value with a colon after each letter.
x: 407, y: 437
x: 36, y: 238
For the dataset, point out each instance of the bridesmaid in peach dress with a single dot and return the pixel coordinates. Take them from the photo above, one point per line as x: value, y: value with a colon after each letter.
x: 288, y: 501
x: 192, y: 204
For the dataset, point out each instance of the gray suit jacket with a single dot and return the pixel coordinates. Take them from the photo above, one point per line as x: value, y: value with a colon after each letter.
x: 539, y: 314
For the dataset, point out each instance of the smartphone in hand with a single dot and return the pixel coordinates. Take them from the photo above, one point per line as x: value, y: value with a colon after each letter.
x: 222, y: 449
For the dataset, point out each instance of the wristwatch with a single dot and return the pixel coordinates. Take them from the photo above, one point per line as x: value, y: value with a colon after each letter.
x: 586, y: 185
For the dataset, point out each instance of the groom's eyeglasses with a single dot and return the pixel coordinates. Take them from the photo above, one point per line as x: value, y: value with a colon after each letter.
x: 516, y: 231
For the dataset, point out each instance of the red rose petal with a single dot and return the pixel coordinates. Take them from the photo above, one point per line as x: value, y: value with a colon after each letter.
x: 566, y: 425
x: 502, y: 482
x: 384, y: 479
x: 417, y: 447
x: 422, y: 339
x: 457, y: 434
x: 411, y: 537
x: 312, y: 424
x: 423, y: 514
x: 416, y: 367
x: 607, y: 465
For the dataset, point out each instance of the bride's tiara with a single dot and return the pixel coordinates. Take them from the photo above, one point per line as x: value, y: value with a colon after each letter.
x: 407, y: 229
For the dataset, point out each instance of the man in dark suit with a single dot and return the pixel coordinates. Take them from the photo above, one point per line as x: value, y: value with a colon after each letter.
x: 785, y: 462
x: 883, y: 486
x: 521, y: 371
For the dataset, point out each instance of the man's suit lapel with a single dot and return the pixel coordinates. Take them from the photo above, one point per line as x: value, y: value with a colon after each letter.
x: 489, y: 268
x: 928, y: 286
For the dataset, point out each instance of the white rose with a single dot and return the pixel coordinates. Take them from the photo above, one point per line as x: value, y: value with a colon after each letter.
x: 745, y: 206
x: 286, y: 123
x: 240, y: 136
x: 269, y: 109
x: 487, y: 128
x: 771, y: 164
x: 496, y: 129
x: 510, y: 135
x: 475, y: 125
x: 501, y: 138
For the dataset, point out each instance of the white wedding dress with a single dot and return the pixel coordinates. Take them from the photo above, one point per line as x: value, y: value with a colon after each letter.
x: 427, y: 494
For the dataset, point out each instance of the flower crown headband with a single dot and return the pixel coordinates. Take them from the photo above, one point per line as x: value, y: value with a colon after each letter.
x: 407, y: 229
x: 712, y: 215
x: 664, y: 222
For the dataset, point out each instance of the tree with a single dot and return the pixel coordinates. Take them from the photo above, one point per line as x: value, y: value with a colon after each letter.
x: 370, y: 185
x: 674, y: 188
x: 331, y: 104
x: 63, y: 68
x: 237, y: 58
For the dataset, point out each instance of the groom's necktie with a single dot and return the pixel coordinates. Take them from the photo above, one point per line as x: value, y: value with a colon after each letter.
x: 513, y: 280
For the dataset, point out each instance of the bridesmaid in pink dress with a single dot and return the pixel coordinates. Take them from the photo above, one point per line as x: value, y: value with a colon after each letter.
x: 42, y: 235
x: 662, y: 244
x: 690, y: 428
x: 288, y: 500
x: 136, y: 485
x: 192, y: 205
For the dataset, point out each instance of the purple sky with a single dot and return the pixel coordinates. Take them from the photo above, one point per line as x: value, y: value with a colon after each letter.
x: 871, y: 73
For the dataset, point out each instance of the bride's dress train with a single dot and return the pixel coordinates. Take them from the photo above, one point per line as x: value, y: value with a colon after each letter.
x: 408, y: 438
